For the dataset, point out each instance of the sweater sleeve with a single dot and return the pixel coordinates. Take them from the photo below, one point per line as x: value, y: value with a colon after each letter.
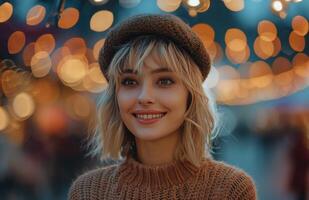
x: 242, y: 187
x: 86, y: 186
x: 76, y: 190
x: 92, y: 184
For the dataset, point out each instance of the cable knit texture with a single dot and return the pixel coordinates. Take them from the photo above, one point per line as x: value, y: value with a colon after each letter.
x: 177, y: 180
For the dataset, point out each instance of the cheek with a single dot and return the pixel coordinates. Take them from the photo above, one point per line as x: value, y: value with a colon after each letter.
x: 176, y: 101
x: 125, y: 100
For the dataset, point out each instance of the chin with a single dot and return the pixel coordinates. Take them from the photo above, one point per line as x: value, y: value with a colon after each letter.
x: 148, y: 136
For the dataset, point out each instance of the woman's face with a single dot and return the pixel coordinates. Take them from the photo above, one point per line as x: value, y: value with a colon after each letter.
x: 152, y: 105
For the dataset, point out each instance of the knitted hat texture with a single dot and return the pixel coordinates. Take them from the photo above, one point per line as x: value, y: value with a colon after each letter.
x: 164, y: 25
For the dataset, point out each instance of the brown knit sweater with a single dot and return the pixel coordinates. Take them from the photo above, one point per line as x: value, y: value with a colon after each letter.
x: 177, y: 180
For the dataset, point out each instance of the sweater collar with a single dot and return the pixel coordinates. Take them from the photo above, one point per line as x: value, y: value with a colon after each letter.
x: 155, y: 176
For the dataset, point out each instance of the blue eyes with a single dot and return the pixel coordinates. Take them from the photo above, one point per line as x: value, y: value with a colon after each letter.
x: 128, y: 82
x: 161, y: 82
x: 165, y: 81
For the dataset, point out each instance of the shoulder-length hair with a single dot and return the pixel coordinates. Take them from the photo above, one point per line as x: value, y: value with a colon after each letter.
x: 113, y: 140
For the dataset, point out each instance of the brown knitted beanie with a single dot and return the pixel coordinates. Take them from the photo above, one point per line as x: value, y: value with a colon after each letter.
x: 164, y: 25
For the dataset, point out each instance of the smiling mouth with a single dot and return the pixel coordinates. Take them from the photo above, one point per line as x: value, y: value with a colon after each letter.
x: 149, y: 116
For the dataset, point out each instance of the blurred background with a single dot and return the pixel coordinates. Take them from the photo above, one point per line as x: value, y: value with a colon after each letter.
x: 50, y: 79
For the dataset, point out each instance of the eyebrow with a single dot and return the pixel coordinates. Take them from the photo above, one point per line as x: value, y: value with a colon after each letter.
x: 159, y: 70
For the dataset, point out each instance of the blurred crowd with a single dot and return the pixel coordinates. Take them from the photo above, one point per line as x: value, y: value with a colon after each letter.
x: 276, y: 145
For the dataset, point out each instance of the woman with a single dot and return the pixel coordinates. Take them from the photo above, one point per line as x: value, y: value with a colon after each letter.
x: 155, y: 115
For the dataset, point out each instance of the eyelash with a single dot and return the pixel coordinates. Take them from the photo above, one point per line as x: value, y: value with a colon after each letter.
x: 126, y: 80
x: 167, y: 79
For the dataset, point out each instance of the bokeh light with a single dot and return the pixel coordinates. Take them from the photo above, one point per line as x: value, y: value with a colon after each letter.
x: 277, y: 5
x: 15, y: 132
x: 23, y: 105
x: 98, y: 2
x: 99, y: 25
x: 285, y: 79
x: 68, y: 18
x: 244, y: 92
x: 281, y: 64
x: 260, y: 74
x: 227, y: 72
x: 205, y: 32
x: 301, y: 65
x: 267, y: 30
x: 243, y: 70
x: 94, y: 81
x: 78, y: 87
x: 277, y: 47
x: 235, y: 39
x: 194, y: 3
x: 45, y: 43
x: 205, y: 6
x: 52, y: 120
x: 11, y: 82
x: 79, y: 106
x: 76, y: 45
x: 212, y: 51
x: 58, y: 55
x: 237, y: 57
x: 28, y: 53
x: 234, y: 5
x: 263, y: 49
x: 4, y: 119
x: 297, y: 42
x: 281, y: 68
x: 300, y: 25
x: 89, y: 56
x: 97, y: 47
x: 16, y: 42
x: 40, y: 64
x: 168, y: 6
x: 72, y: 70
x: 227, y: 90
x: 219, y: 53
x: 35, y: 15
x: 6, y: 11
x: 96, y: 75
x: 45, y: 91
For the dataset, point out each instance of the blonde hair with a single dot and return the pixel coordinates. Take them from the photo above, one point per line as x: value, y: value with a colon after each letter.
x: 113, y: 140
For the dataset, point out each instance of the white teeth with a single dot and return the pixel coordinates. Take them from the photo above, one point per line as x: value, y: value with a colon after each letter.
x: 149, y: 116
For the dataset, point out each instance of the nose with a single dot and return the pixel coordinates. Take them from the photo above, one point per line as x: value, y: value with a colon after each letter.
x: 145, y: 96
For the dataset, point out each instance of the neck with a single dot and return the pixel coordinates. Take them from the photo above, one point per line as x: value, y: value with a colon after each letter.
x: 156, y: 152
